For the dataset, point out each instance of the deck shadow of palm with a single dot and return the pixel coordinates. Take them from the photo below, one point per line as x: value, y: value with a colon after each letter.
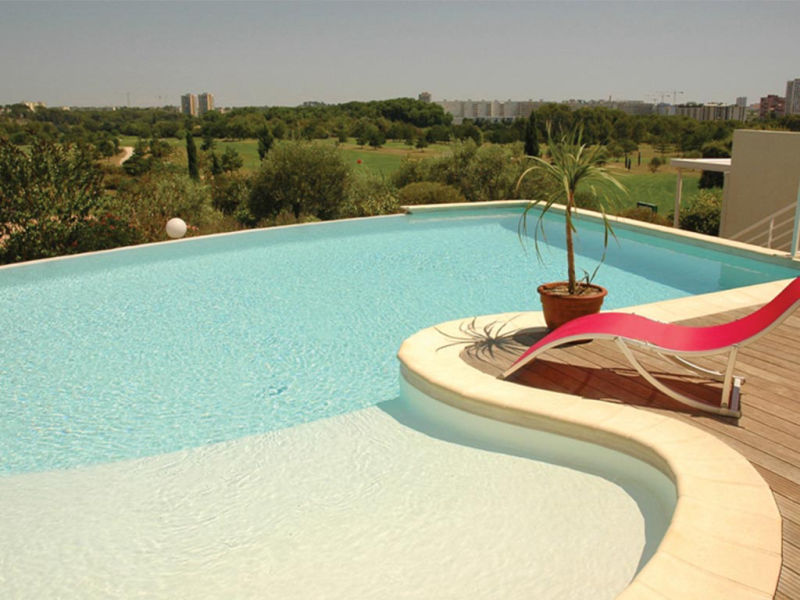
x: 492, y: 347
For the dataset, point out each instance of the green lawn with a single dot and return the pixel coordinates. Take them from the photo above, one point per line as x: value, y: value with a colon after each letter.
x: 643, y: 186
x: 247, y: 149
x: 383, y: 163
x: 657, y: 188
x: 384, y: 160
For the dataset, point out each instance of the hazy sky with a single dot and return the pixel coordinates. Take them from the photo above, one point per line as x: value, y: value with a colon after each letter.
x: 284, y: 53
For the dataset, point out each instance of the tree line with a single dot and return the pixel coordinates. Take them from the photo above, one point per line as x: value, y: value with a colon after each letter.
x: 415, y: 122
x: 56, y: 198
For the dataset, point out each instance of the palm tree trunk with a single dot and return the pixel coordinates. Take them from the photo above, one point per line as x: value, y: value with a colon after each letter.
x: 570, y: 249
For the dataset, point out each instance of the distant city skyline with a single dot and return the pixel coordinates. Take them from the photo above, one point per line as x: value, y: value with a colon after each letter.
x: 283, y: 53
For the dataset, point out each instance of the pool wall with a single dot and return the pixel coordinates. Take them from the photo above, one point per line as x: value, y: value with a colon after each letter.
x: 679, y: 235
x: 706, y: 241
x: 724, y: 540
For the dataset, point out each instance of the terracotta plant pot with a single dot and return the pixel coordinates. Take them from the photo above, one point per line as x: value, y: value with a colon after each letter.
x: 559, y: 307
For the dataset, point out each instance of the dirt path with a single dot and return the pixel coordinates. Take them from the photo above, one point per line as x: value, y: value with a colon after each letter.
x: 127, y: 152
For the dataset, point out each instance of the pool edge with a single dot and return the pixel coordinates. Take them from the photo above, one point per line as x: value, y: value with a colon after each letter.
x: 683, y: 236
x: 725, y: 538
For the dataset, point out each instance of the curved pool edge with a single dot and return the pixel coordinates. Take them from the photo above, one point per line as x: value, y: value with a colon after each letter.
x: 725, y: 537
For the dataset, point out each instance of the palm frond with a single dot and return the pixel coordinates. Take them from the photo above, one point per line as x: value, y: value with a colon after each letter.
x: 573, y: 166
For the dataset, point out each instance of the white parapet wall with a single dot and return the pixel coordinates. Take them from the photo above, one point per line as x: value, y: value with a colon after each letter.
x: 763, y: 181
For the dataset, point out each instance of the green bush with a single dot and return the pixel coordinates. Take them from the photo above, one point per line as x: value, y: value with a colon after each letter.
x: 369, y: 194
x: 229, y: 192
x: 492, y: 173
x: 702, y: 213
x: 451, y: 168
x: 488, y: 172
x: 585, y: 199
x: 412, y: 170
x: 301, y: 177
x: 713, y: 179
x: 642, y: 213
x: 655, y: 163
x: 104, y: 231
x: 287, y: 217
x: 47, y: 196
x: 152, y: 201
x: 429, y: 192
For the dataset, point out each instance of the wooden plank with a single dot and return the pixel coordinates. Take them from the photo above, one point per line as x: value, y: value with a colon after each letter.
x: 779, y: 484
x: 791, y: 554
x: 789, y: 583
x: 789, y: 508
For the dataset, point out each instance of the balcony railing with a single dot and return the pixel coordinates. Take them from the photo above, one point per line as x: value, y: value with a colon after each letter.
x: 773, y: 231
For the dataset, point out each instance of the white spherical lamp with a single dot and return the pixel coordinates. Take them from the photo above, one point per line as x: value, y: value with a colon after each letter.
x: 176, y: 228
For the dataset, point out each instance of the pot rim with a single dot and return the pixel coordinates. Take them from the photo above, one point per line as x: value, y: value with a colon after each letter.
x: 544, y: 289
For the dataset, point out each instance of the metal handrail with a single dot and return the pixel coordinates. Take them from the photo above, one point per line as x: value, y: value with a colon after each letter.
x: 769, y: 218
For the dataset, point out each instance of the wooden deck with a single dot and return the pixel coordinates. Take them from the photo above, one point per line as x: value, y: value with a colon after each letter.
x: 768, y: 433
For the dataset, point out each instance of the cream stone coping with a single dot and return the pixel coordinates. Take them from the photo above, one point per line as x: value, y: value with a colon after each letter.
x: 724, y: 540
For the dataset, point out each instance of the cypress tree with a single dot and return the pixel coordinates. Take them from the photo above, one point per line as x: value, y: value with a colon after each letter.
x: 265, y: 140
x: 216, y: 166
x: 531, y: 136
x: 191, y: 154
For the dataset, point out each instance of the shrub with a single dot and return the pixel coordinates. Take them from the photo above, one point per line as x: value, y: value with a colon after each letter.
x: 230, y: 160
x: 412, y: 170
x: 46, y: 196
x: 105, y: 231
x: 655, y: 163
x: 369, y: 194
x: 702, y: 213
x: 451, y: 168
x: 642, y: 213
x: 301, y: 177
x: 491, y: 173
x: 587, y: 200
x: 713, y: 179
x: 229, y: 192
x: 287, y: 217
x: 479, y: 173
x: 152, y: 201
x: 429, y: 192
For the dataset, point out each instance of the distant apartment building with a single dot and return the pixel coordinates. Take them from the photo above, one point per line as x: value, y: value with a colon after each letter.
x: 496, y: 110
x: 189, y: 104
x: 792, y: 97
x: 425, y: 97
x: 487, y: 110
x: 741, y: 101
x: 772, y: 105
x: 205, y: 103
x: 632, y: 107
x: 712, y: 111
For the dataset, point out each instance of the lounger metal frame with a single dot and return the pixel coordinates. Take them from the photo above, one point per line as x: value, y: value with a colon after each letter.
x: 752, y: 327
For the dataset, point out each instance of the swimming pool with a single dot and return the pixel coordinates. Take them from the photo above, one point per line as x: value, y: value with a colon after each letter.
x: 149, y: 350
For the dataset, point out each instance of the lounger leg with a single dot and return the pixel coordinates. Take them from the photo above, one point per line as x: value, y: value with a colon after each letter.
x: 679, y: 360
x: 721, y: 410
x: 726, y: 387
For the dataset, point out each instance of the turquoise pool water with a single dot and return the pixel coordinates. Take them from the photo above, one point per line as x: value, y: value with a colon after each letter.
x: 148, y: 350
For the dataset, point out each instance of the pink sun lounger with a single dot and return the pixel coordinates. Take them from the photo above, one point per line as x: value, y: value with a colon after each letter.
x: 674, y: 342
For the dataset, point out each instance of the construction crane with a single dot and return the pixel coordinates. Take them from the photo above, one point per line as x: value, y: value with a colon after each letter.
x: 673, y: 93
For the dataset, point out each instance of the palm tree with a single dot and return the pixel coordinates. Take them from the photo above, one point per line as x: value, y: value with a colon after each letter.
x: 573, y: 166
